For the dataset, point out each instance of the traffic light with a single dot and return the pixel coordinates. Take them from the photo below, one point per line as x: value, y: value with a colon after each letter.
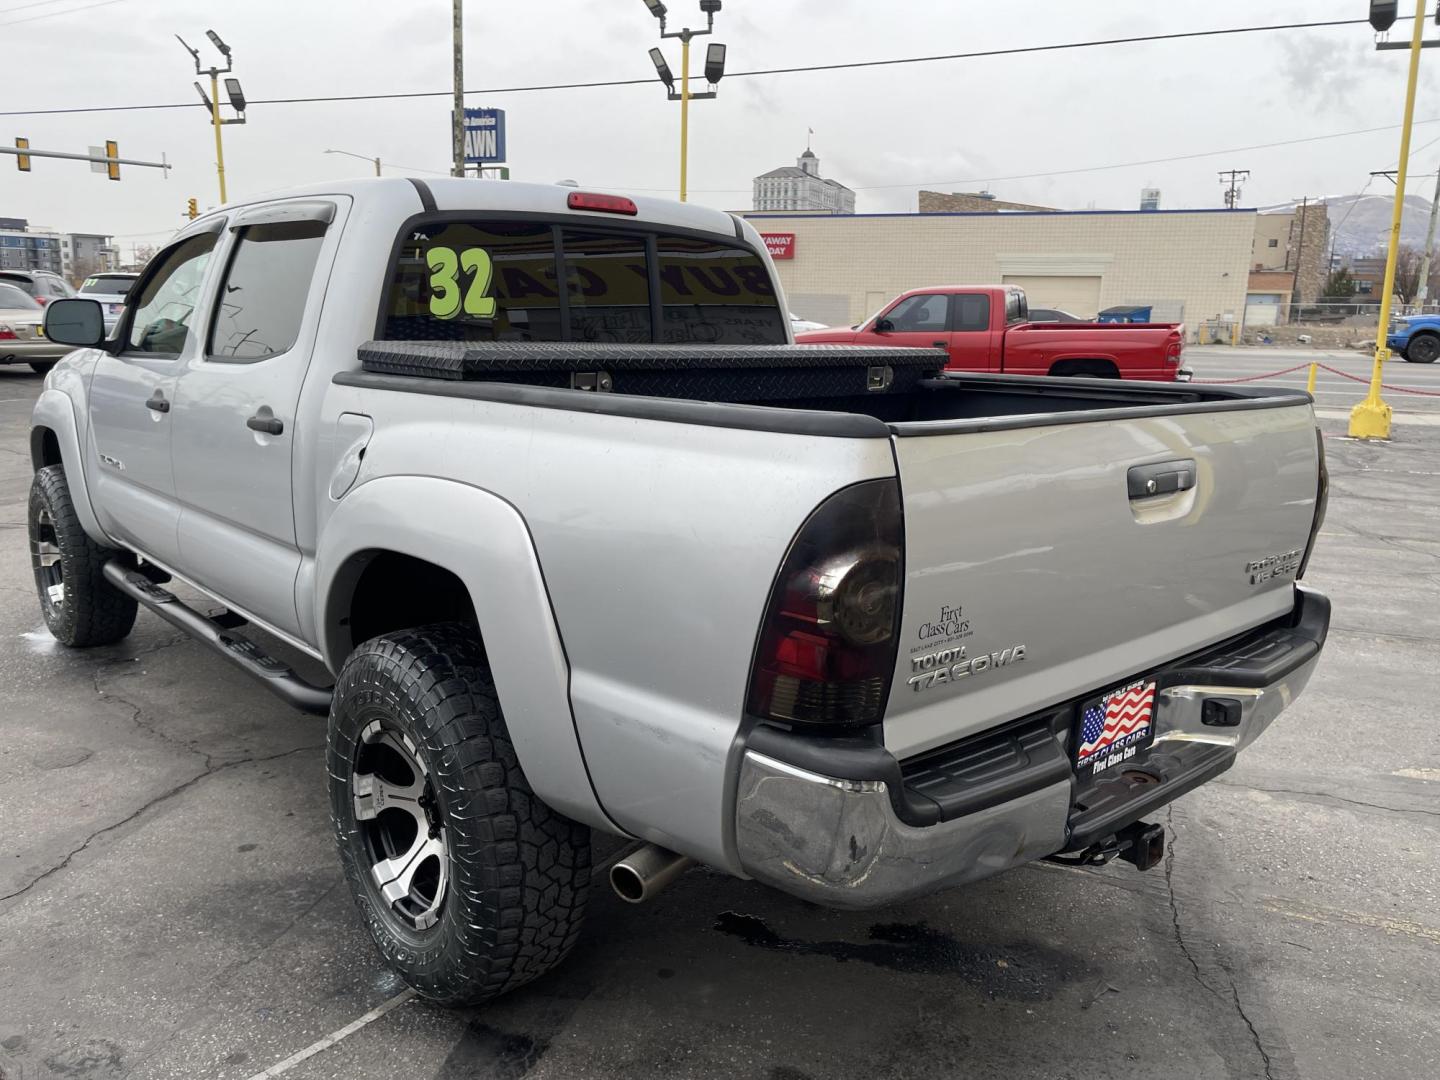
x: 193, y: 209
x: 23, y: 160
x: 1383, y: 14
x: 112, y: 166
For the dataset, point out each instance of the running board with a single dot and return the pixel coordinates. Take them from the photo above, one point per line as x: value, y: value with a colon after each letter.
x: 216, y: 632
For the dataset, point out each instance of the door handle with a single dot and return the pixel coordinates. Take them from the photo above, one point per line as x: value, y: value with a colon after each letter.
x: 157, y: 402
x: 940, y: 344
x: 268, y: 425
x: 1163, y: 478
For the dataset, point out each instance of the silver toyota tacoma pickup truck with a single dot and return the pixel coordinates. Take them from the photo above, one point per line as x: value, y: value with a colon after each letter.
x: 588, y: 544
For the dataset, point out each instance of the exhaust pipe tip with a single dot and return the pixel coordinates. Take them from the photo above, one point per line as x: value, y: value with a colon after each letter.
x: 644, y: 874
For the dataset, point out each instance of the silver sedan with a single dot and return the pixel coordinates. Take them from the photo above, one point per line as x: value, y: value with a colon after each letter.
x: 22, y: 332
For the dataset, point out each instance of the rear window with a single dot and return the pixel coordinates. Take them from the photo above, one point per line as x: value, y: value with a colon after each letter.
x: 527, y: 281
x: 16, y: 299
x: 713, y: 293
x: 107, y: 284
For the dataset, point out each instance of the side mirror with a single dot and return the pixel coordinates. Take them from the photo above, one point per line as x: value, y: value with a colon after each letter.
x: 884, y: 326
x: 75, y: 321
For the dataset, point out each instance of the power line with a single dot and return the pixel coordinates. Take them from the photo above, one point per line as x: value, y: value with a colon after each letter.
x: 850, y: 65
x: 1096, y: 168
x: 51, y: 14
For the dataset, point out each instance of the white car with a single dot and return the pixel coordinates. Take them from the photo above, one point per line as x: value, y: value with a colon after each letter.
x: 109, y: 291
x: 800, y: 325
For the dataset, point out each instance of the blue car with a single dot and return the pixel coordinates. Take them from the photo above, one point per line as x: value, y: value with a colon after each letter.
x: 1416, y: 337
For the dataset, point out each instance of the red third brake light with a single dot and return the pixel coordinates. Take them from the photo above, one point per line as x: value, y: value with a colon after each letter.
x: 605, y: 204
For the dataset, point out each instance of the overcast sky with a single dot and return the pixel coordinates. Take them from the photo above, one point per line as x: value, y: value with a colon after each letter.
x: 886, y: 132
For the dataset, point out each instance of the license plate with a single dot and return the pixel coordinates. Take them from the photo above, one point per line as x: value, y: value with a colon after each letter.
x: 1115, y: 728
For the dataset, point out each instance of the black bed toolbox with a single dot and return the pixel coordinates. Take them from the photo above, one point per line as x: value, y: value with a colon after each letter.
x: 701, y: 372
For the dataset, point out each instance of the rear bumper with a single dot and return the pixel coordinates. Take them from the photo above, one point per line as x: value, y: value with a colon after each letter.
x: 841, y: 823
x: 1184, y: 375
x: 23, y: 352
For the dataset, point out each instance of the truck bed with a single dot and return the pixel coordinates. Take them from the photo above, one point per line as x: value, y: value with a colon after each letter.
x: 841, y: 386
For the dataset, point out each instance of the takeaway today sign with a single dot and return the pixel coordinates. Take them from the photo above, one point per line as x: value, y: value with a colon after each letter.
x: 781, y: 245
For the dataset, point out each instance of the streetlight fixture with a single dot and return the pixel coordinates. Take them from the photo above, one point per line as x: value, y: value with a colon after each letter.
x: 714, y: 72
x: 663, y: 69
x: 375, y: 161
x: 212, y: 100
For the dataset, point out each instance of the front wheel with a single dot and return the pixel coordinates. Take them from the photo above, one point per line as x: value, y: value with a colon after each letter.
x: 81, y: 608
x: 1423, y: 349
x: 469, y: 885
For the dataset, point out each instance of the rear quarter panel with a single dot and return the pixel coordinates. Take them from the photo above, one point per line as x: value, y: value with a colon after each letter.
x: 658, y: 544
x: 1138, y: 351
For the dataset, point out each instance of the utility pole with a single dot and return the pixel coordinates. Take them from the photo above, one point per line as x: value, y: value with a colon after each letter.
x: 458, y: 135
x: 1424, y: 290
x: 1295, y: 298
x: 1232, y: 179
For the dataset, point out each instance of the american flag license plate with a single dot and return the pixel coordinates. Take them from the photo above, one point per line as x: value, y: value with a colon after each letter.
x: 1115, y: 727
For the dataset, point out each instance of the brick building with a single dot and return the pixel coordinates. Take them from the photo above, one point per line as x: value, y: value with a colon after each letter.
x: 969, y: 202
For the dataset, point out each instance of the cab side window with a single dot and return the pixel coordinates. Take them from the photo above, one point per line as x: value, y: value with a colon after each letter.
x: 164, y: 307
x: 921, y: 313
x: 972, y: 311
x: 262, y: 299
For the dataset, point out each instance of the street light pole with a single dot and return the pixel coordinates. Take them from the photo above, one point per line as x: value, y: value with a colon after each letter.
x: 1371, y: 418
x: 363, y: 157
x: 212, y: 103
x: 684, y: 115
x: 215, y: 116
x: 714, y: 71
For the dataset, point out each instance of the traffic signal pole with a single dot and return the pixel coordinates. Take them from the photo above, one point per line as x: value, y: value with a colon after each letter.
x: 1371, y: 418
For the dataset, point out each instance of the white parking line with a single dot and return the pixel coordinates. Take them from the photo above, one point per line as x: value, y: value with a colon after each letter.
x: 320, y: 1045
x: 280, y: 1068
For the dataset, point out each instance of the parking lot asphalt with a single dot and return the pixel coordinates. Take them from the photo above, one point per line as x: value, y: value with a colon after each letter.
x: 171, y: 904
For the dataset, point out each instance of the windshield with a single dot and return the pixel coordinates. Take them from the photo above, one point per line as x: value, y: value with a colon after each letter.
x: 15, y: 299
x: 108, y: 284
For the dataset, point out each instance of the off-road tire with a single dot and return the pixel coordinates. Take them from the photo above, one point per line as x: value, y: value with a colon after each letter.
x: 91, y: 610
x: 518, y: 872
x: 1423, y: 349
x: 42, y: 367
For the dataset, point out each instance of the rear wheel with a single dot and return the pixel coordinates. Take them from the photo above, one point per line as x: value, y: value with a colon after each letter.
x: 1423, y: 349
x: 81, y: 608
x: 42, y: 367
x: 469, y: 885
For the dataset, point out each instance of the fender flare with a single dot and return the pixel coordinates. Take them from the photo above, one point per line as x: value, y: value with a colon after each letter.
x: 55, y: 412
x: 481, y: 539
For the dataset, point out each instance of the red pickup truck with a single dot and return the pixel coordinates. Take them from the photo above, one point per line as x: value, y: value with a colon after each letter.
x: 987, y: 328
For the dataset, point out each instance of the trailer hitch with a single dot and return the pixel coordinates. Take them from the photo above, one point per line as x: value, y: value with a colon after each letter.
x: 1142, y: 844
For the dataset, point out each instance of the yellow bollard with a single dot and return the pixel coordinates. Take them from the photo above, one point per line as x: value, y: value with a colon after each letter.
x: 1310, y: 382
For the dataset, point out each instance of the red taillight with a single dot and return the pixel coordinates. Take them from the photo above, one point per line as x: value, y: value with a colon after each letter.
x: 42, y: 300
x: 6, y: 334
x: 1175, y: 348
x: 827, y: 646
x: 605, y: 204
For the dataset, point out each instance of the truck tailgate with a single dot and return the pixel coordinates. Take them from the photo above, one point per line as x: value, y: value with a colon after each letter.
x: 1037, y: 546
